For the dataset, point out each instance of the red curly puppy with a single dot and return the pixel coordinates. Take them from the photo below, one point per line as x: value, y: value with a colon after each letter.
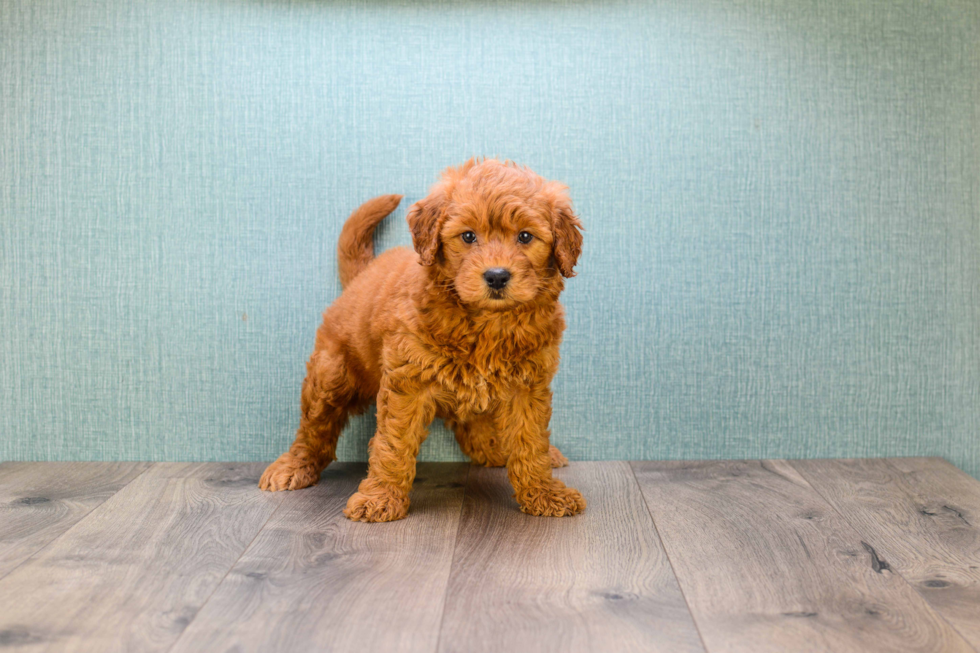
x: 468, y: 330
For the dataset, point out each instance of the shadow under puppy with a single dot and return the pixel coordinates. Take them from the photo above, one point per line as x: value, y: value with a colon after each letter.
x: 466, y: 328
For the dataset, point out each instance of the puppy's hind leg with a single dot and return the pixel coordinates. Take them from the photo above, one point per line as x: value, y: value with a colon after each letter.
x: 326, y: 401
x: 558, y: 459
x: 479, y: 438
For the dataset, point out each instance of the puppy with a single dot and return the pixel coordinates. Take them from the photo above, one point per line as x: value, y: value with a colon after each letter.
x: 466, y: 328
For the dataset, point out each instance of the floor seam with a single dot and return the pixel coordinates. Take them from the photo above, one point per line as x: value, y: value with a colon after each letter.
x: 663, y: 547
x: 230, y: 568
x: 452, y: 560
x: 80, y: 520
x: 861, y: 534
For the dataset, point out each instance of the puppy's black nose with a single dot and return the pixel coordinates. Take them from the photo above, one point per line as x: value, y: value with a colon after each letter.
x: 496, y: 278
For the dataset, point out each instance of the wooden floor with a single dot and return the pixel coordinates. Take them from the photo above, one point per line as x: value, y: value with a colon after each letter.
x: 820, y: 555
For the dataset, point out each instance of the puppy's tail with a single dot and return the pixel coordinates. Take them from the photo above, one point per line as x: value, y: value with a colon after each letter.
x: 355, y: 249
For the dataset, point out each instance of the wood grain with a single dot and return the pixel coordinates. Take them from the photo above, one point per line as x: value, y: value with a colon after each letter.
x: 315, y: 581
x: 923, y: 516
x: 596, y: 581
x: 192, y: 557
x: 767, y: 565
x: 40, y: 501
x: 135, y: 571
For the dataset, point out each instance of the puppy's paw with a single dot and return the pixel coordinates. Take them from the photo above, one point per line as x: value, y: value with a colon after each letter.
x: 377, y: 507
x: 289, y: 473
x: 488, y: 460
x: 557, y: 459
x: 559, y: 501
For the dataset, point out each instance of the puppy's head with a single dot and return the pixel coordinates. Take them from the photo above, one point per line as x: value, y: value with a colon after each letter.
x: 499, y: 234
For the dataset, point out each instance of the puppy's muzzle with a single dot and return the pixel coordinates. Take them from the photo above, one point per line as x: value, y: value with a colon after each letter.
x: 496, y: 278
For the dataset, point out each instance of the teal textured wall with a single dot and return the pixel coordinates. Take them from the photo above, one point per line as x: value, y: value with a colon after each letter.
x: 782, y: 200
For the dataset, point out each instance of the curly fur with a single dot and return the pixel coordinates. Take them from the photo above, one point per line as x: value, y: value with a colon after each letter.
x: 424, y: 335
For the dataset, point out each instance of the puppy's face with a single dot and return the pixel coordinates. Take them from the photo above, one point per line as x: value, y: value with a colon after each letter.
x: 499, y: 235
x: 497, y: 256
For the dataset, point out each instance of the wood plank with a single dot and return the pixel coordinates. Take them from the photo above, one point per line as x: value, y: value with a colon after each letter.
x: 313, y: 580
x: 923, y: 516
x: 135, y: 571
x: 596, y: 581
x: 40, y: 501
x: 767, y: 565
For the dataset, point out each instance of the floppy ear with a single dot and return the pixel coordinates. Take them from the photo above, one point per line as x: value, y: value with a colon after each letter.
x: 426, y: 216
x: 424, y: 221
x: 566, y: 229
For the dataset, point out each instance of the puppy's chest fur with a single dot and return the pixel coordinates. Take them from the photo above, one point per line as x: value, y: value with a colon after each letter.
x: 487, y: 364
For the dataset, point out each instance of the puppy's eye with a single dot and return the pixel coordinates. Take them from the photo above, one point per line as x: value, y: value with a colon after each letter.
x: 468, y: 237
x: 524, y: 237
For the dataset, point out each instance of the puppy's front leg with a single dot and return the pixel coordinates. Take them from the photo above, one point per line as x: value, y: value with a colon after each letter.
x: 525, y: 425
x: 405, y: 409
